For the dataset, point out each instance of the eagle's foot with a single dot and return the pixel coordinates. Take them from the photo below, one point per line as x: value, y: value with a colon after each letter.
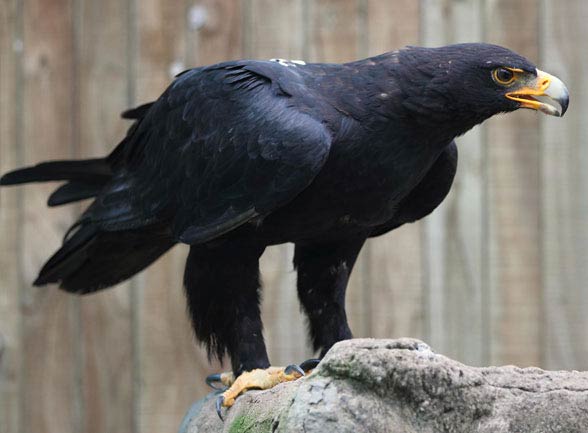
x: 255, y: 379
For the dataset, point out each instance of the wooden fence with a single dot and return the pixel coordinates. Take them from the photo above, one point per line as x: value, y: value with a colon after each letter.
x: 497, y: 275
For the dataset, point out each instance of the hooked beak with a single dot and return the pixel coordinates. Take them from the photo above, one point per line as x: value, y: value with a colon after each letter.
x: 556, y: 97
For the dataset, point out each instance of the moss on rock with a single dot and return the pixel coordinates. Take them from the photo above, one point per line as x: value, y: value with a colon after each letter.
x: 248, y: 423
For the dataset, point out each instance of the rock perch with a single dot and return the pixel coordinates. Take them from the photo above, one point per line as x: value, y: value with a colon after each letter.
x: 367, y: 385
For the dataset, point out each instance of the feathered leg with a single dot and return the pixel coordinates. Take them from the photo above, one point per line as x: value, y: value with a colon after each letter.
x: 222, y: 288
x: 323, y: 273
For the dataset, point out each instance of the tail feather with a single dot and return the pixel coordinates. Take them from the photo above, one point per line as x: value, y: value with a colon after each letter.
x: 87, y: 170
x: 91, y: 260
x: 67, y: 257
x: 73, y: 191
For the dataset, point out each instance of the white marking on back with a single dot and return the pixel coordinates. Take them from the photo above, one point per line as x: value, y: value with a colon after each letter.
x: 287, y: 63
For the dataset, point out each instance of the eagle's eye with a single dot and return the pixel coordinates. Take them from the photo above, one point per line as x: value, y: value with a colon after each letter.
x: 503, y: 76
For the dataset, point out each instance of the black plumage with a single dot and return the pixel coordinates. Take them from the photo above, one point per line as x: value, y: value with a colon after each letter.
x: 244, y: 154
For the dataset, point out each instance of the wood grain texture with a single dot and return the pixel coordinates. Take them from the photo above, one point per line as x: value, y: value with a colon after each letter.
x: 565, y: 191
x: 454, y: 241
x: 215, y: 30
x: 10, y: 217
x: 275, y: 29
x: 50, y: 339
x: 334, y: 29
x: 514, y: 191
x: 393, y: 267
x: 101, y: 55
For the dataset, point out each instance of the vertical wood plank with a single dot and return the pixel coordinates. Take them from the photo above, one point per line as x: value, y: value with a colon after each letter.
x: 514, y: 190
x: 50, y: 360
x: 275, y: 29
x: 334, y: 30
x: 172, y: 368
x: 565, y: 190
x: 101, y: 51
x: 215, y: 31
x: 393, y: 265
x: 10, y: 217
x: 454, y: 240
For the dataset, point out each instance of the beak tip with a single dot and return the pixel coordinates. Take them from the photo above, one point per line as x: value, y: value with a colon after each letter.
x: 564, y: 105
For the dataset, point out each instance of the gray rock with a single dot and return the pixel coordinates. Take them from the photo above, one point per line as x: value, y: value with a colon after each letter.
x: 401, y: 386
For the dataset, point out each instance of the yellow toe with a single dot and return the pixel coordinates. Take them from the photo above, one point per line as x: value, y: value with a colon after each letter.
x: 258, y: 379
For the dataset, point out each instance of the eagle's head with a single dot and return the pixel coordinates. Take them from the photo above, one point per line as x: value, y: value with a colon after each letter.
x: 462, y: 85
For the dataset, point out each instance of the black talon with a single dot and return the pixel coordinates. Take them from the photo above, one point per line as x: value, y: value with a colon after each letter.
x: 310, y: 364
x: 212, y: 379
x: 292, y: 368
x: 219, y: 404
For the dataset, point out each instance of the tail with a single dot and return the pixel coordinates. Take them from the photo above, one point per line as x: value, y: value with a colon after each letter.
x: 91, y: 260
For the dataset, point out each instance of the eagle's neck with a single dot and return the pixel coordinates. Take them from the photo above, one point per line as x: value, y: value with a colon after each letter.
x: 403, y: 94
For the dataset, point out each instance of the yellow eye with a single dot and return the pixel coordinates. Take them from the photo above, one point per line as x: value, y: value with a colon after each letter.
x: 503, y: 76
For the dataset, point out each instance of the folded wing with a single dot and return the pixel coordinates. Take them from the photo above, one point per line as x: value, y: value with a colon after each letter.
x: 223, y: 145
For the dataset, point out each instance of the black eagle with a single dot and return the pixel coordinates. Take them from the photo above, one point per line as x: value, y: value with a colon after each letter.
x: 240, y: 155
